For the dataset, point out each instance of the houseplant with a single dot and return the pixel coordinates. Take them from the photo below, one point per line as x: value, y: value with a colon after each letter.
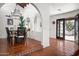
x: 21, y: 32
x: 21, y: 23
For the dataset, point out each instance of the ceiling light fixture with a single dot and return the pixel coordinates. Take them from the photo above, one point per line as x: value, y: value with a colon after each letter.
x: 59, y: 9
x: 16, y: 13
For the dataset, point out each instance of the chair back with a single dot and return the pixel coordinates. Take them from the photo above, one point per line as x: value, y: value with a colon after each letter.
x: 21, y: 31
x: 7, y: 30
x: 8, y: 34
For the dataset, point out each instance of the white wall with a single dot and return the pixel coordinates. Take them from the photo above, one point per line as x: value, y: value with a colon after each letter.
x: 44, y: 10
x: 55, y: 17
x: 2, y: 25
x: 5, y: 9
x: 37, y: 33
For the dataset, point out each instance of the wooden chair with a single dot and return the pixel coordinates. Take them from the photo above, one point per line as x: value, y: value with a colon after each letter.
x: 9, y: 37
x: 21, y: 34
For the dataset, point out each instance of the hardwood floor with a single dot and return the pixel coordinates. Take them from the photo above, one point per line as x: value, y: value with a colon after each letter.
x: 34, y: 48
x: 58, y: 48
x: 24, y: 48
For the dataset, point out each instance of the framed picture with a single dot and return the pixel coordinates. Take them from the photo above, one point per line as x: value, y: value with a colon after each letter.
x: 9, y: 21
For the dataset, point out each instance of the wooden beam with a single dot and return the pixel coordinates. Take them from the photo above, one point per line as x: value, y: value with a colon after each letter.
x: 22, y: 4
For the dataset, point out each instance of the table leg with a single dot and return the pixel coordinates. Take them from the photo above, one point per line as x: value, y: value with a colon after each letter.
x: 13, y: 41
x: 13, y: 38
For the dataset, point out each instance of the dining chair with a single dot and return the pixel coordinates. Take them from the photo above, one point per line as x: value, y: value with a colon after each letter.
x: 9, y: 37
x: 21, y: 34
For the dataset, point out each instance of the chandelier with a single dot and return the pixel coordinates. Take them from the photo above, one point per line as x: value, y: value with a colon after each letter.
x: 15, y: 13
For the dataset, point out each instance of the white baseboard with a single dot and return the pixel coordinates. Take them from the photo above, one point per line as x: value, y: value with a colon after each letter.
x: 3, y: 37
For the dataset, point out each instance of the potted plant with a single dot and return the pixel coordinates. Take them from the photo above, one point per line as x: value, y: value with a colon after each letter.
x: 21, y: 28
x: 21, y: 23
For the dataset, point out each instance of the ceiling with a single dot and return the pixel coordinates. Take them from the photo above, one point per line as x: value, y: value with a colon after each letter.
x: 59, y: 8
x: 1, y: 4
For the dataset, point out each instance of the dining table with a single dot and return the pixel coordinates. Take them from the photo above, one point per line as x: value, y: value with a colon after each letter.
x: 13, y: 34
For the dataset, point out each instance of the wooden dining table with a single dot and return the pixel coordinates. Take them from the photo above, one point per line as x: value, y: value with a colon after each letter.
x: 13, y: 34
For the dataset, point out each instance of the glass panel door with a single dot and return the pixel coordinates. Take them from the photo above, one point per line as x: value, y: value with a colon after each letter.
x: 57, y: 30
x: 69, y: 30
x: 60, y: 28
x: 77, y: 29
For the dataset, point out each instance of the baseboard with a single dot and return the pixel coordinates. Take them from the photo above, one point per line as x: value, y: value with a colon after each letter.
x: 52, y: 38
x: 2, y: 38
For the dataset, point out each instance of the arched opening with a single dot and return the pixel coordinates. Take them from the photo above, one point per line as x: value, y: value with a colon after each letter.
x: 10, y: 14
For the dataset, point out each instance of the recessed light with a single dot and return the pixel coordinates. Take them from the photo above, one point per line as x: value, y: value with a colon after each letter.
x: 59, y: 9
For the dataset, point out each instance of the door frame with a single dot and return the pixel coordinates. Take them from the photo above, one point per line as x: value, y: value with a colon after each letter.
x: 64, y: 20
x: 77, y: 19
x: 59, y: 20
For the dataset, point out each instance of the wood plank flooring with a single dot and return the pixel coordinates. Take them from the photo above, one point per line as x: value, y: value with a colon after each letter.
x: 58, y: 48
x: 34, y: 48
x: 24, y: 48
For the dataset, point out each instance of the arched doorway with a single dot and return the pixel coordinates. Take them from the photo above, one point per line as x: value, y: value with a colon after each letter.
x: 34, y: 36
